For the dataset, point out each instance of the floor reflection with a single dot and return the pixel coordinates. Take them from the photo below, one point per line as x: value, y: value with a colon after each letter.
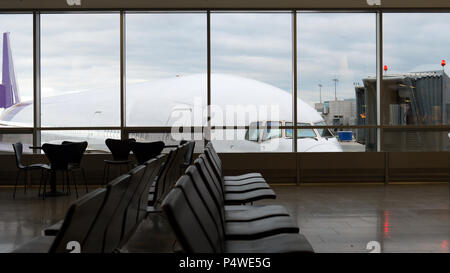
x: 344, y: 218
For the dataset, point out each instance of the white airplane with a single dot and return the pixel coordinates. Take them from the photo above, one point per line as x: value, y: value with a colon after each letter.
x: 171, y: 102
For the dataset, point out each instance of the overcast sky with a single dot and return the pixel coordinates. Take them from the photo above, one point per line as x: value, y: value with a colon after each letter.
x: 81, y: 52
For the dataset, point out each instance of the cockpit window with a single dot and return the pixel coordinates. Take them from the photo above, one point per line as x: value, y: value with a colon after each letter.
x: 301, y: 133
x: 271, y: 133
x: 252, y: 133
x: 326, y: 133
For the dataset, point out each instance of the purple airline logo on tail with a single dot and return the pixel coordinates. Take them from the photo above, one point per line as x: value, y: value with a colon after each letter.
x: 9, y: 95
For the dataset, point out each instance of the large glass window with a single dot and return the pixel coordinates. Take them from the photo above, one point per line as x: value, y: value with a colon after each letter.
x: 336, y: 67
x: 416, y: 87
x: 251, y: 63
x: 166, y: 69
x: 16, y: 87
x: 251, y: 80
x: 80, y: 70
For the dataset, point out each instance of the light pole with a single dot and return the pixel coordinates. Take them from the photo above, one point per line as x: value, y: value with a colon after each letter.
x: 335, y: 80
x: 320, y: 92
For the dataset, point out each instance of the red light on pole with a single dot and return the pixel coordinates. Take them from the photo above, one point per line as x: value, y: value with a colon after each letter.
x: 443, y: 63
x: 385, y: 68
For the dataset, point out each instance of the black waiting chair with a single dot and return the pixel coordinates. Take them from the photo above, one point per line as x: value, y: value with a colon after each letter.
x: 18, y: 151
x: 256, y: 192
x: 235, y: 230
x: 120, y: 150
x: 198, y: 232
x: 75, y: 160
x: 188, y: 156
x: 60, y: 156
x: 79, y: 220
x: 168, y: 177
x: 114, y: 233
x: 212, y: 195
x: 144, y: 151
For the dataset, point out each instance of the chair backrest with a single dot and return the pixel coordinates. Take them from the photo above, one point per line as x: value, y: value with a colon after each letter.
x: 145, y: 151
x: 120, y: 149
x: 59, y: 155
x: 211, y: 197
x: 78, y: 155
x: 174, y: 172
x: 205, y: 165
x: 114, y: 225
x: 95, y: 240
x: 18, y: 151
x: 185, y: 224
x: 213, y: 151
x: 213, y: 164
x: 132, y: 201
x: 161, y: 185
x: 153, y: 169
x: 208, y: 218
x: 189, y: 155
x: 79, y: 220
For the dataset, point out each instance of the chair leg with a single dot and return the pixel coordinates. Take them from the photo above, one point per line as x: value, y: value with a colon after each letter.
x: 74, y: 182
x: 66, y: 178
x: 17, y: 181
x: 47, y: 177
x: 85, y: 180
x: 63, y: 185
x: 107, y: 174
x: 25, y: 182
x: 104, y: 174
x: 40, y: 182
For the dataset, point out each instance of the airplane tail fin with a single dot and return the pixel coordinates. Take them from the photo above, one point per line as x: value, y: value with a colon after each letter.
x: 9, y: 94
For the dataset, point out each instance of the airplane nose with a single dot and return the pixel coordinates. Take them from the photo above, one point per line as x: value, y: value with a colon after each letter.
x: 325, y: 148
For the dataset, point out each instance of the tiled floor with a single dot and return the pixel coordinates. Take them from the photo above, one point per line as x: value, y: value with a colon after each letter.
x: 334, y: 218
x: 402, y: 218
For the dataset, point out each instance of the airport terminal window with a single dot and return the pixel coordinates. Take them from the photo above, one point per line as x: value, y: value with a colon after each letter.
x: 16, y: 87
x: 336, y: 67
x: 251, y: 64
x: 415, y: 84
x: 251, y: 77
x: 166, y: 69
x: 80, y: 70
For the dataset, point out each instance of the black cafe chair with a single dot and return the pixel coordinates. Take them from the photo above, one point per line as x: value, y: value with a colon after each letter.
x: 60, y: 156
x: 144, y: 151
x: 18, y: 151
x: 75, y: 160
x: 120, y: 150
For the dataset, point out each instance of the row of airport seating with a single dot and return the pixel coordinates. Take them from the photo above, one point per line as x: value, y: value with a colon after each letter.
x: 207, y: 213
x: 103, y: 220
